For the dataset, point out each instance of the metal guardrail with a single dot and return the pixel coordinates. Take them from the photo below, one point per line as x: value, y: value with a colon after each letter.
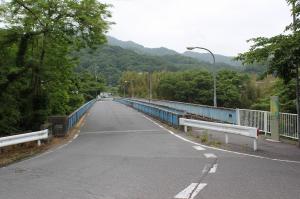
x: 22, y: 138
x: 261, y: 120
x: 245, y: 117
x: 218, y: 114
x: 250, y: 132
x: 166, y: 115
x: 76, y: 115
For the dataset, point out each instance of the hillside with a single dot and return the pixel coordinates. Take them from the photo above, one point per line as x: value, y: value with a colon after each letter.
x: 139, y: 48
x: 202, y: 57
x: 111, y: 61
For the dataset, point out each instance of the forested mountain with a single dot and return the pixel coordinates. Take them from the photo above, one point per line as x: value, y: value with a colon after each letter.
x: 111, y: 61
x: 202, y: 57
x: 139, y: 48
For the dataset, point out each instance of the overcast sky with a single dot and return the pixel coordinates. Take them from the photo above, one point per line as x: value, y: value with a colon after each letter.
x: 223, y: 26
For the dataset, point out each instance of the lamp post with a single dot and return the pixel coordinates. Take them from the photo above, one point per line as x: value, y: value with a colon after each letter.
x: 214, y: 73
x: 125, y: 82
x: 132, y: 88
x: 297, y: 77
x: 150, y: 85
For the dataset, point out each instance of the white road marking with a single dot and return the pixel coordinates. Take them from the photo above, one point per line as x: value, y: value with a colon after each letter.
x: 210, y: 155
x: 198, y: 189
x: 76, y: 136
x: 213, y: 169
x: 199, y: 148
x: 185, y: 194
x: 205, y: 169
x: 191, y: 191
x: 223, y: 150
x: 123, y: 131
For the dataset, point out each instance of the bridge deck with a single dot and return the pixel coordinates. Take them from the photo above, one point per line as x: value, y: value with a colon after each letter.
x: 121, y: 154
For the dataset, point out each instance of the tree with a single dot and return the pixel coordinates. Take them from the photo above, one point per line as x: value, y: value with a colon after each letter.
x: 280, y: 52
x: 37, y: 40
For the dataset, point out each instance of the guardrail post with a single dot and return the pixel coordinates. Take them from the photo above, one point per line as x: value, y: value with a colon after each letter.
x: 185, y: 129
x: 226, y: 138
x: 255, y: 144
x: 238, y: 119
x: 265, y: 122
x: 39, y: 142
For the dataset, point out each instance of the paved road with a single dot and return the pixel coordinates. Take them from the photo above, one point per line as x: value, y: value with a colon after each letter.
x: 120, y: 154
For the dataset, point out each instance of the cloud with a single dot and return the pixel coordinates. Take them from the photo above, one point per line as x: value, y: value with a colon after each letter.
x: 223, y: 26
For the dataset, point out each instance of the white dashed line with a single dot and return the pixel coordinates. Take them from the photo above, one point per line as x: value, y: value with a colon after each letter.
x: 191, y: 191
x: 198, y: 189
x: 205, y: 169
x: 210, y: 155
x: 213, y: 169
x: 199, y: 148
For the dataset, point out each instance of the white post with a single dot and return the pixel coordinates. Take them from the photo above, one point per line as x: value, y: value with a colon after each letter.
x: 255, y: 144
x: 226, y: 138
x: 39, y: 142
x: 238, y: 119
x: 185, y: 129
x: 266, y: 122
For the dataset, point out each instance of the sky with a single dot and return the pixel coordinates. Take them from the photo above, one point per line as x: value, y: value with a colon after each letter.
x: 223, y: 26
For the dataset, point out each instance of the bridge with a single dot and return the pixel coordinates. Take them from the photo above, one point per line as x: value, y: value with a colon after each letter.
x: 122, y: 153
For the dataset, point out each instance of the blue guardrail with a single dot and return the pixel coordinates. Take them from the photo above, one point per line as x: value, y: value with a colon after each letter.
x: 226, y: 115
x: 168, y: 116
x: 76, y: 115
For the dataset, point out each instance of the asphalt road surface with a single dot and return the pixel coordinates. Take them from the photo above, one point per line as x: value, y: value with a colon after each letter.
x: 120, y: 154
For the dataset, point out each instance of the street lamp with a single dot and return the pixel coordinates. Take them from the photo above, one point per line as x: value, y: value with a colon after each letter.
x: 125, y: 82
x: 214, y: 72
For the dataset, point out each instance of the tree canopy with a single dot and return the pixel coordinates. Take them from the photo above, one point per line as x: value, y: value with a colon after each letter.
x: 280, y: 52
x: 36, y: 66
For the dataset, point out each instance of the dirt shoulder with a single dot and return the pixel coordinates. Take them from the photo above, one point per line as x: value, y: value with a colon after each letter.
x: 15, y: 153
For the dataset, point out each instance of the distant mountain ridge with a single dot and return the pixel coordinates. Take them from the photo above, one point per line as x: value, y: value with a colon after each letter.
x: 162, y: 51
x: 139, y: 48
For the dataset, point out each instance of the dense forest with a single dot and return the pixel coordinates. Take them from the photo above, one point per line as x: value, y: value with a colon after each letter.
x: 111, y: 61
x: 234, y: 89
x: 37, y: 76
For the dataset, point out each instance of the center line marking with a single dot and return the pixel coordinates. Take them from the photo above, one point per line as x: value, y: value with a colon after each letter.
x: 213, y: 169
x: 210, y: 155
x: 205, y: 169
x: 198, y: 189
x: 191, y: 191
x: 199, y: 148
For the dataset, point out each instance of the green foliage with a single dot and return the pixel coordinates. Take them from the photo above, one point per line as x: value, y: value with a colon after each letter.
x: 111, y: 61
x: 287, y: 94
x: 281, y: 53
x: 37, y: 75
x: 234, y: 89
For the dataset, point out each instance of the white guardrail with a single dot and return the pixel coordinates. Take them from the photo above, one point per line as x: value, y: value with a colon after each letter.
x: 250, y: 132
x: 22, y: 138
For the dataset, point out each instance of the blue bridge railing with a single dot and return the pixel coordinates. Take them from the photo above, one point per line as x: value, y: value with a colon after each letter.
x: 167, y: 115
x: 76, y: 115
x: 220, y: 114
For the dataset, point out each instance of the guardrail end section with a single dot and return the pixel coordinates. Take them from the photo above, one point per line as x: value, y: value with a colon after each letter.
x: 255, y: 144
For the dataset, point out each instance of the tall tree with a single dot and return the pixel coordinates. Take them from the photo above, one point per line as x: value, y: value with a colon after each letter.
x: 39, y: 36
